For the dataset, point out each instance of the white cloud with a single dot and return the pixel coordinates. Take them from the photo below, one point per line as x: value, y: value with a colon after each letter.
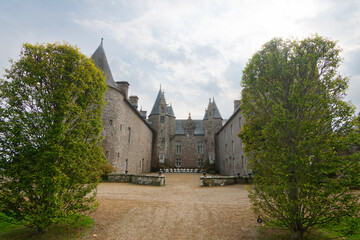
x: 196, y: 49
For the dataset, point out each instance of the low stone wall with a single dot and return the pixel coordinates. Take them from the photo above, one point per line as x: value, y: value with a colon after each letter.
x: 151, y: 180
x: 223, y: 180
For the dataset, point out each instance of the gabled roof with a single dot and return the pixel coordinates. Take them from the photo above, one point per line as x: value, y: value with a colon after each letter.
x: 217, y: 114
x: 155, y: 109
x: 101, y: 62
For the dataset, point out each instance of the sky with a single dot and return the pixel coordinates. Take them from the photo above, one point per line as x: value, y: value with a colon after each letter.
x: 194, y: 50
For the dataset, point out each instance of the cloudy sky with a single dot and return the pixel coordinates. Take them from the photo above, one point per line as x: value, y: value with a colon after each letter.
x: 194, y: 49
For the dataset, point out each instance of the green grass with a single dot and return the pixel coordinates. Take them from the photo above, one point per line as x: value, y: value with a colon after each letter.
x: 74, y: 230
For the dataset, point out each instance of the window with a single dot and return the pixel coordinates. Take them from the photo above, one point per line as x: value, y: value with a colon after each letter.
x: 212, y: 144
x: 126, y: 165
x: 178, y: 162
x: 200, y: 147
x: 107, y: 154
x: 225, y: 147
x: 129, y: 134
x: 240, y: 122
x: 118, y: 155
x: 231, y: 129
x: 178, y: 147
x: 211, y: 159
x: 232, y: 146
x: 120, y: 127
x: 162, y: 119
x: 200, y: 163
x: 110, y: 122
x: 162, y: 141
x: 162, y: 109
x: 161, y: 158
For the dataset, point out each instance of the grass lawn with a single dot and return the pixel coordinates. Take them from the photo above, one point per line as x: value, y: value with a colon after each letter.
x: 74, y: 230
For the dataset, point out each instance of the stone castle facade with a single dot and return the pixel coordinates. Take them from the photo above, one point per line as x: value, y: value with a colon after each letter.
x: 135, y: 143
x: 184, y: 143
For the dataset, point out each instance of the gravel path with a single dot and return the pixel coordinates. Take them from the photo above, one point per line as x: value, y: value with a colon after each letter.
x: 180, y: 210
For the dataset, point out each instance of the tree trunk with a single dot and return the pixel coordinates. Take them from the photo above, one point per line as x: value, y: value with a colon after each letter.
x: 40, y: 229
x: 296, y: 234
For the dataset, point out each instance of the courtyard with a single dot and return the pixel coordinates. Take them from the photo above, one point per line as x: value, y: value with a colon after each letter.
x: 179, y: 210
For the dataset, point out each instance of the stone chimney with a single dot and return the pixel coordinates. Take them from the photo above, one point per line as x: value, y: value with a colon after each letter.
x: 134, y: 101
x: 143, y: 113
x: 123, y: 86
x: 236, y: 104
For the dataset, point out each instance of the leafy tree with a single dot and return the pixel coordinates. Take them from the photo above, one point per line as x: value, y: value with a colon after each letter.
x: 50, y: 124
x: 297, y: 128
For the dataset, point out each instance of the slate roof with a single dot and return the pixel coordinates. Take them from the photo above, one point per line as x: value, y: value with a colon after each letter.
x: 180, y: 127
x: 217, y: 114
x: 170, y: 111
x: 155, y: 109
x: 101, y: 62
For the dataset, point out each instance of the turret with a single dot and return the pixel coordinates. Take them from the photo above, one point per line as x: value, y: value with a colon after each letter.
x: 162, y: 120
x: 212, y: 124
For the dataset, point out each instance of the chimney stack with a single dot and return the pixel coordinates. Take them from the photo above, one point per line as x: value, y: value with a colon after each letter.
x: 236, y: 104
x: 143, y: 113
x: 124, y: 86
x: 134, y: 101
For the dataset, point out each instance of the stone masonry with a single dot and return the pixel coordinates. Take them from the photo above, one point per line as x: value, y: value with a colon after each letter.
x: 134, y: 144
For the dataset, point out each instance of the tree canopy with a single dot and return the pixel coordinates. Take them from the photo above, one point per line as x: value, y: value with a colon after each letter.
x: 50, y: 142
x: 297, y: 130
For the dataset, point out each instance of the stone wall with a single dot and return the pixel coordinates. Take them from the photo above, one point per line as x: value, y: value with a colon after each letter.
x: 151, y: 180
x: 189, y: 151
x: 231, y: 158
x: 128, y: 138
x: 223, y: 180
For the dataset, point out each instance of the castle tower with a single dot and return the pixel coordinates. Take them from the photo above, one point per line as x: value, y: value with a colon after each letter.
x: 127, y: 142
x: 212, y: 124
x: 162, y: 119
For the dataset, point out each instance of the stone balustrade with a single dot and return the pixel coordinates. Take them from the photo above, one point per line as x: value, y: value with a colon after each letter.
x: 181, y: 170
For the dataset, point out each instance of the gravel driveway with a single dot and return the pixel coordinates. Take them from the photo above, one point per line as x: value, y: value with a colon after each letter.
x: 180, y: 210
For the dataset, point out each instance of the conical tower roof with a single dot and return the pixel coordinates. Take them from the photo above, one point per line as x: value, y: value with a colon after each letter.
x: 101, y: 62
x: 155, y: 109
x: 217, y: 114
x: 170, y: 111
x: 216, y: 111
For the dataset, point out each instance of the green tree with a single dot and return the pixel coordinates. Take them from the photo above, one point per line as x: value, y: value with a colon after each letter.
x: 297, y: 127
x: 50, y: 124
